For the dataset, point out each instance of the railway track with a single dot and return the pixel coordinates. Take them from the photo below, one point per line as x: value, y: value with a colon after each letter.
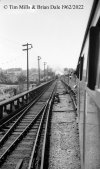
x: 24, y: 137
x: 12, y: 117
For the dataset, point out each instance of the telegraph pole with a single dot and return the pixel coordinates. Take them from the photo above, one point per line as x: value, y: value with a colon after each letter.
x: 28, y: 46
x: 47, y: 73
x: 44, y: 70
x: 39, y: 68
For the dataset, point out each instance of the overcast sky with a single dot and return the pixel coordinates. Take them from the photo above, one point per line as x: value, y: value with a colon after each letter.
x: 56, y: 34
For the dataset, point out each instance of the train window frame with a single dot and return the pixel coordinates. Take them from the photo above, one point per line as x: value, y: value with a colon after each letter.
x: 81, y: 67
x: 93, y: 57
x: 98, y: 69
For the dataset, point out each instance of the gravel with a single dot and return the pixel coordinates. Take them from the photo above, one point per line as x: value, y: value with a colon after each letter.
x: 64, y: 140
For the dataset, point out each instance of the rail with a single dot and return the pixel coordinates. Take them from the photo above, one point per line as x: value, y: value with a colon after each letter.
x: 43, y: 156
x: 19, y: 101
x: 32, y: 122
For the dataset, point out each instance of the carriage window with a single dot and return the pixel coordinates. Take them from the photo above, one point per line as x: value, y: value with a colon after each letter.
x: 81, y: 67
x: 93, y: 57
x: 98, y: 73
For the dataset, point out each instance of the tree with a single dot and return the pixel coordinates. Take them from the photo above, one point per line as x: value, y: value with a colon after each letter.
x: 21, y: 80
x: 4, y: 78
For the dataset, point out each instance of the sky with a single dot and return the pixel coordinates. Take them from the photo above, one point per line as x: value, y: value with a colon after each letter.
x: 55, y: 34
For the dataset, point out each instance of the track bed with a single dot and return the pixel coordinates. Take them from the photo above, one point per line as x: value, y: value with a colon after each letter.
x: 64, y: 140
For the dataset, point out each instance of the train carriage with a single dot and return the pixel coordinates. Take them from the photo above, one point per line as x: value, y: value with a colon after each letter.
x: 88, y: 81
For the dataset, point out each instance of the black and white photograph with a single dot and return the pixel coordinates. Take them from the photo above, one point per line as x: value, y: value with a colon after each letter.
x: 49, y: 84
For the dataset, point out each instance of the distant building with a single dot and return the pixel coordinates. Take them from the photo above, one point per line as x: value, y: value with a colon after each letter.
x: 33, y: 75
x: 12, y: 73
x: 16, y: 71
